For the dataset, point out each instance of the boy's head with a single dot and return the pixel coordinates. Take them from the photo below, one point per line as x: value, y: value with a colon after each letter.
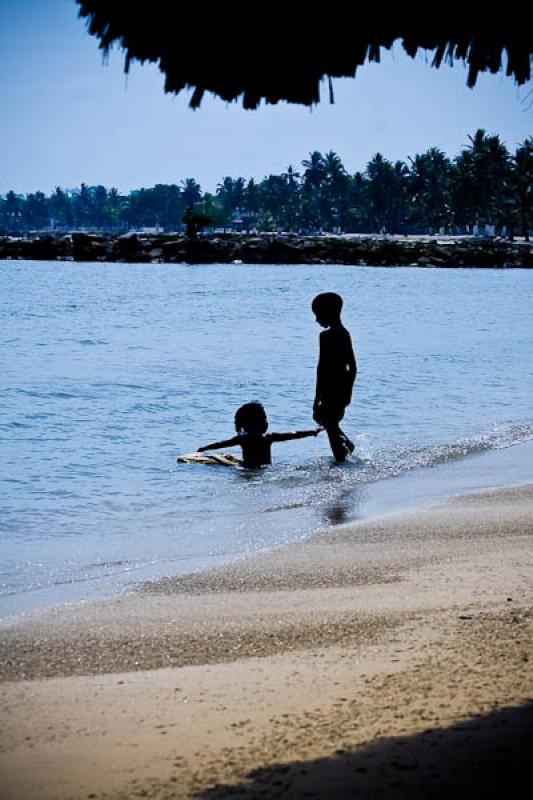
x: 251, y: 418
x: 327, y: 308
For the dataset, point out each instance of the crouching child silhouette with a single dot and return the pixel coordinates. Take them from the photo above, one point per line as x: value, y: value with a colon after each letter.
x: 251, y: 424
x: 336, y: 372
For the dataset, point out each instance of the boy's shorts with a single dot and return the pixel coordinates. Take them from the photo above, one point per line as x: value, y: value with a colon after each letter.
x: 329, y: 414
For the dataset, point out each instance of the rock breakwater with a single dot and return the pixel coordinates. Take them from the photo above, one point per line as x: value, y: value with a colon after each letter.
x: 271, y: 249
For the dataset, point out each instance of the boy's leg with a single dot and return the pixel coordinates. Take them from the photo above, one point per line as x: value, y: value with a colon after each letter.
x: 330, y: 416
x: 338, y: 442
x: 348, y: 442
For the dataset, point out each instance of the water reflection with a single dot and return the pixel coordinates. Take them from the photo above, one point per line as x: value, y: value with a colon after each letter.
x: 345, y: 506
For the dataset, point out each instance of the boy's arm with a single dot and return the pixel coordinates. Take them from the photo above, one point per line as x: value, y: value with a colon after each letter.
x: 319, y: 371
x: 286, y: 437
x: 351, y: 363
x: 218, y: 445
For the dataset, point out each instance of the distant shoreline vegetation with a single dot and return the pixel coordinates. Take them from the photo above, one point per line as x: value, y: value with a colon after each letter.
x: 485, y: 189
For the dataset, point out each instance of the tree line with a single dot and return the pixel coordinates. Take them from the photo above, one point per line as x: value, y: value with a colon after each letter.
x: 484, y: 185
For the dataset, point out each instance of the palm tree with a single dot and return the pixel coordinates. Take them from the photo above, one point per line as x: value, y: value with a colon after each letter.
x: 290, y: 210
x: 274, y: 198
x: 482, y: 176
x: 522, y: 180
x: 12, y: 211
x: 251, y: 198
x: 83, y: 206
x: 35, y: 213
x: 116, y: 205
x: 239, y: 188
x: 334, y: 193
x: 314, y: 170
x: 191, y: 192
x: 429, y: 188
x: 100, y: 217
x: 357, y: 202
x: 227, y: 195
x: 61, y: 208
x: 401, y: 204
x: 387, y: 192
x: 313, y: 179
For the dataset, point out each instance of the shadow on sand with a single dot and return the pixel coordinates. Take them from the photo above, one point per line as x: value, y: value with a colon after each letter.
x: 484, y: 757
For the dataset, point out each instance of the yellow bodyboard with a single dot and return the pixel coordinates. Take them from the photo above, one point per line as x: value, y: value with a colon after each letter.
x: 226, y: 459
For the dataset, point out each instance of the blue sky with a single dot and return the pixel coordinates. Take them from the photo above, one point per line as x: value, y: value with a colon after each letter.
x: 67, y: 118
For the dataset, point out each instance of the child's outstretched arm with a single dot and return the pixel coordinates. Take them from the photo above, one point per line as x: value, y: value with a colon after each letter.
x: 286, y: 437
x: 218, y: 445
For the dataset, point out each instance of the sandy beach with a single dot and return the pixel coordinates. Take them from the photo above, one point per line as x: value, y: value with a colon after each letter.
x: 388, y: 658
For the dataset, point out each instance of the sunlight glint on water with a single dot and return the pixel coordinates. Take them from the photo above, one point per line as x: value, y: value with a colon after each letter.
x: 108, y: 372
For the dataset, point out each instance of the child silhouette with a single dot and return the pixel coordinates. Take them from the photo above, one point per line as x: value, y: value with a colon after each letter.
x: 251, y: 424
x: 336, y: 372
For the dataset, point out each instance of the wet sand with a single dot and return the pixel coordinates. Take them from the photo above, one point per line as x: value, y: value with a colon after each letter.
x: 391, y: 658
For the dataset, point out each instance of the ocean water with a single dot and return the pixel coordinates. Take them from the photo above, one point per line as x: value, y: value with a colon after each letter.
x: 110, y: 371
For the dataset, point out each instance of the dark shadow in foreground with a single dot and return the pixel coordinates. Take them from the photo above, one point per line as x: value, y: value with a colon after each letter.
x: 484, y: 757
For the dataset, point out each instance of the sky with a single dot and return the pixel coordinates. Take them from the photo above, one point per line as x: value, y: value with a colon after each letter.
x: 68, y: 118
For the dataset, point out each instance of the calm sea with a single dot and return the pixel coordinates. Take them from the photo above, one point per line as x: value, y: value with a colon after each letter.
x: 110, y: 371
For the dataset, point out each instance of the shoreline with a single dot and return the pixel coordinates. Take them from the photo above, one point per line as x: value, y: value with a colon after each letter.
x: 355, y: 557
x: 367, y: 656
x: 270, y: 248
x: 415, y: 489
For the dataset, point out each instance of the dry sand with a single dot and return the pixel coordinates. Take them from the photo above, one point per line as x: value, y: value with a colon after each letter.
x: 391, y: 658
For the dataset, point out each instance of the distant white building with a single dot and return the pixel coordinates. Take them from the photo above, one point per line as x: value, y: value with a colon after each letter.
x: 154, y: 229
x: 483, y: 230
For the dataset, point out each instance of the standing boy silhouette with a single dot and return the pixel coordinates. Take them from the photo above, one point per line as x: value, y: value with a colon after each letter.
x: 335, y: 374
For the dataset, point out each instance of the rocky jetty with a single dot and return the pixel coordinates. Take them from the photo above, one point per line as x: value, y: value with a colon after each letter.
x: 389, y: 251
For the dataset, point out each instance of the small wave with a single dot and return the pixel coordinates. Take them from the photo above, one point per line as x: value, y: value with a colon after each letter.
x: 384, y: 463
x: 106, y: 564
x: 35, y: 393
x: 285, y: 507
x: 150, y: 408
x: 497, y: 438
x: 377, y: 463
x: 116, y: 385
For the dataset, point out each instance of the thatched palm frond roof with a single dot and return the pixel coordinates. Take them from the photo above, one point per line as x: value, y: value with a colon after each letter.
x: 286, y: 54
